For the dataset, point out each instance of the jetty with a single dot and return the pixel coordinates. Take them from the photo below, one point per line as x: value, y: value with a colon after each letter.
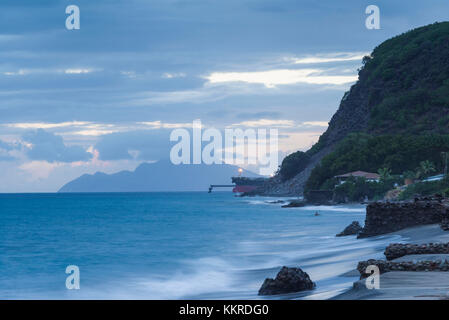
x: 212, y: 186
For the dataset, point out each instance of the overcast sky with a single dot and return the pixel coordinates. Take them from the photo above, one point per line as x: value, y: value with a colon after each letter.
x: 106, y: 97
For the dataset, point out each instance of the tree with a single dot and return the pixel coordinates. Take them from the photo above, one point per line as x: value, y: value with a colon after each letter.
x: 409, y: 174
x: 425, y: 168
x: 384, y: 173
x: 293, y: 164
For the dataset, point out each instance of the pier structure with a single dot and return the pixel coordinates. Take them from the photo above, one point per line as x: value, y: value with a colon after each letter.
x: 212, y: 186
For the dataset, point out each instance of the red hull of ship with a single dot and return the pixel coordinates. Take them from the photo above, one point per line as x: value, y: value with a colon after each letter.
x: 239, y: 189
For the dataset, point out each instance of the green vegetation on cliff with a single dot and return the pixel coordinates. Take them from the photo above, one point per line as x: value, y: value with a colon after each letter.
x: 408, y: 77
x: 356, y: 189
x: 395, y: 116
x: 360, y: 151
x: 292, y: 164
x: 426, y: 189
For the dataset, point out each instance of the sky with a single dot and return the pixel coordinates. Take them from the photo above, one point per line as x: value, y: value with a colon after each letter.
x: 107, y: 96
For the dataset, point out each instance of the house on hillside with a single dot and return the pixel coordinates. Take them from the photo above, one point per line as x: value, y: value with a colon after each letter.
x: 369, y: 176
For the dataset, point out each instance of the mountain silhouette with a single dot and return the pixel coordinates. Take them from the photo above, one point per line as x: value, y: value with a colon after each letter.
x: 156, y: 177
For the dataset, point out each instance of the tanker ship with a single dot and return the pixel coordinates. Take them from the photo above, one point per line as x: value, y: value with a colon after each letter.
x: 241, y: 184
x: 245, y: 184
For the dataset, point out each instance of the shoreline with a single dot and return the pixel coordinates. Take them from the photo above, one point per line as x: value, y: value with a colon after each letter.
x: 433, y: 283
x: 407, y: 285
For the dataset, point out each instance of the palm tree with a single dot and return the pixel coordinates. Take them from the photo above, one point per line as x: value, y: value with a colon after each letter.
x: 384, y: 173
x: 424, y: 169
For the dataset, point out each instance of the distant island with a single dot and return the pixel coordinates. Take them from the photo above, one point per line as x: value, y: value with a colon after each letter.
x: 157, y: 177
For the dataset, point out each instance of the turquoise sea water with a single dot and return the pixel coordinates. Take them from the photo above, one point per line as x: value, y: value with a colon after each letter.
x: 171, y: 245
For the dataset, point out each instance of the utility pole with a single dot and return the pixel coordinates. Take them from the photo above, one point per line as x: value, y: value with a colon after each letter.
x: 445, y: 162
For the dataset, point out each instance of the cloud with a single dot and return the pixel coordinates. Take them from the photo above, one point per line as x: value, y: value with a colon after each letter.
x: 51, y: 148
x: 168, y: 75
x: 165, y: 125
x: 140, y: 145
x: 273, y: 78
x: 93, y: 132
x: 316, y: 123
x: 266, y: 123
x: 260, y: 114
x: 86, y: 128
x: 97, y: 129
x: 198, y: 96
x: 280, y: 123
x: 39, y: 169
x: 77, y: 71
x: 300, y: 140
x: 20, y: 72
x: 44, y: 125
x: 5, y: 146
x: 82, y: 128
x: 129, y: 74
x: 331, y: 57
x: 4, y: 154
x: 8, y: 151
x: 68, y: 71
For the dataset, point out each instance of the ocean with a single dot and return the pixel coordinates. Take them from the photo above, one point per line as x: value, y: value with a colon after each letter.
x: 172, y: 245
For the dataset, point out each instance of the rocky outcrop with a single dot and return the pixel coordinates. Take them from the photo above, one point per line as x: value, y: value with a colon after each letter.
x: 353, y: 228
x: 294, y: 204
x: 319, y: 197
x: 385, y: 217
x: 276, y: 201
x: 445, y: 224
x: 387, y: 266
x: 397, y: 250
x: 293, y: 187
x: 288, y: 280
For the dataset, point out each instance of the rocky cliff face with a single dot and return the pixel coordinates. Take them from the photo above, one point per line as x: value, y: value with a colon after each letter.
x: 295, y: 186
x: 351, y: 116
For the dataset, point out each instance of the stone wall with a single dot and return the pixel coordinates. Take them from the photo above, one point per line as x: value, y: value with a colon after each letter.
x: 387, y: 266
x: 385, y: 217
x: 397, y: 250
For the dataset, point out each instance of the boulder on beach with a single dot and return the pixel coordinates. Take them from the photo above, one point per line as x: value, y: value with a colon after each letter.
x: 353, y: 228
x: 288, y: 280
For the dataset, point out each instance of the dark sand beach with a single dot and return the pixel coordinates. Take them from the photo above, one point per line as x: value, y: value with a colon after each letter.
x: 406, y: 285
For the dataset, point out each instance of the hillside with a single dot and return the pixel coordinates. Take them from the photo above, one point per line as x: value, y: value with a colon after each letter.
x: 403, y: 90
x: 155, y: 177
